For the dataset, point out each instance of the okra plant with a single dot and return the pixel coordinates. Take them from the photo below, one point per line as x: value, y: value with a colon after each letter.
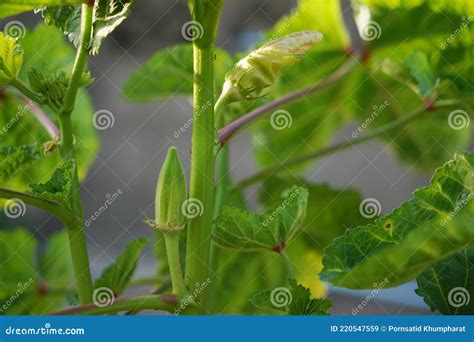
x: 399, y: 70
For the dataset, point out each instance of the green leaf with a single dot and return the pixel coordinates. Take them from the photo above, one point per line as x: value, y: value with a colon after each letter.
x: 117, y: 276
x: 330, y: 211
x: 11, y: 59
x: 448, y: 286
x: 433, y: 225
x: 271, y: 230
x: 14, y: 158
x: 420, y: 69
x: 170, y: 73
x: 108, y: 15
x: 12, y: 7
x: 58, y: 187
x: 294, y: 300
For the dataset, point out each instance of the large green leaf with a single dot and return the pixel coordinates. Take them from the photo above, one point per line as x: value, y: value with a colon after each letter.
x: 108, y: 15
x: 294, y: 300
x: 330, y: 211
x: 117, y: 276
x: 46, y: 49
x: 170, y: 73
x: 448, y: 286
x: 433, y: 225
x: 271, y: 230
x: 12, y: 7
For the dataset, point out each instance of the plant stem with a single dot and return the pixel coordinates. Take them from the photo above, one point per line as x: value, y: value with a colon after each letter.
x: 226, y: 133
x: 49, y: 206
x: 198, y: 244
x: 77, y: 240
x: 151, y: 302
x: 342, y: 146
x: 288, y: 265
x: 174, y: 263
x: 202, y: 167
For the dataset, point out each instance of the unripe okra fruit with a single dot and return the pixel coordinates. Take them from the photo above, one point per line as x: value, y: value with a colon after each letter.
x: 170, y: 194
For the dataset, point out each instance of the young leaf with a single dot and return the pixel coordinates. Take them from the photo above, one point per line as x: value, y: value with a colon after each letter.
x: 433, y: 225
x: 58, y: 187
x: 108, y: 15
x: 117, y: 276
x: 14, y: 158
x: 294, y: 300
x: 170, y: 73
x: 448, y: 286
x: 12, y: 7
x: 11, y: 59
x: 271, y: 230
x: 420, y: 69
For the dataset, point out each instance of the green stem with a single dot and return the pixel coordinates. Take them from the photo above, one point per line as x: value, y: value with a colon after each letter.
x: 77, y: 240
x: 382, y: 130
x: 174, y: 263
x: 202, y: 167
x: 151, y: 302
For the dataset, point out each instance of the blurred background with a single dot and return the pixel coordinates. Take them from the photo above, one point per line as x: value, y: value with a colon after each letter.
x: 133, y: 150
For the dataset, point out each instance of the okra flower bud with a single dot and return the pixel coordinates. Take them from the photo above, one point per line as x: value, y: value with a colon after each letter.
x: 170, y: 194
x: 261, y: 68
